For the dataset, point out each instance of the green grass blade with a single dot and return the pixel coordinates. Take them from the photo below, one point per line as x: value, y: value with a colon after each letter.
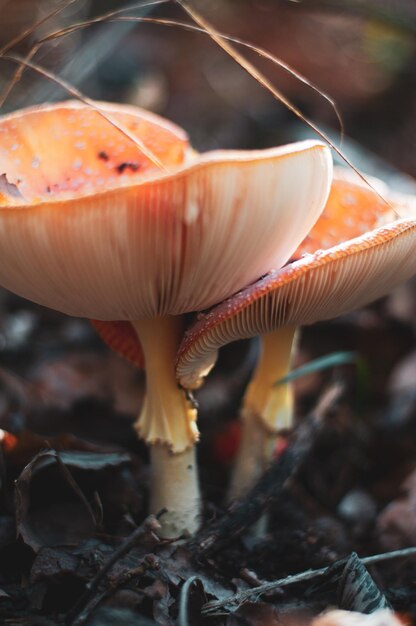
x: 317, y: 365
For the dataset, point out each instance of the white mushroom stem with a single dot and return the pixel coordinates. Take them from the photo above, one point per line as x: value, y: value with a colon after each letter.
x: 167, y: 424
x: 175, y: 488
x: 267, y: 410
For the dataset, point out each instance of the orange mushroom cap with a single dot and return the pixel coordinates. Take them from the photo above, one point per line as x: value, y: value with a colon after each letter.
x: 96, y: 230
x: 319, y: 286
x: 352, y: 209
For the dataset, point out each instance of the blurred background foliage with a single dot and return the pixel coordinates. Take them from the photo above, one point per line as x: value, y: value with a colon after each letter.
x: 362, y: 53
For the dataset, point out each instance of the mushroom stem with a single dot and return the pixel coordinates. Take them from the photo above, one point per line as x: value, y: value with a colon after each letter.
x: 267, y: 410
x: 174, y: 487
x: 167, y: 424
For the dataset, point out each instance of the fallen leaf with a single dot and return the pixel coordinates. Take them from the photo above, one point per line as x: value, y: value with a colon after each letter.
x: 56, y: 487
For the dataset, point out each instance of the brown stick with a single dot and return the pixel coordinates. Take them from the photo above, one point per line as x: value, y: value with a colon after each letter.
x: 250, y: 594
x: 81, y: 610
x: 241, y: 516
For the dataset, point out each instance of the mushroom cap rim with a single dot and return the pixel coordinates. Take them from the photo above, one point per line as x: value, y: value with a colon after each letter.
x: 235, y: 304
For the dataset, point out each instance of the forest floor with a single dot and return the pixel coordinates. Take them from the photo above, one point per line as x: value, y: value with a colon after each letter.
x: 76, y: 545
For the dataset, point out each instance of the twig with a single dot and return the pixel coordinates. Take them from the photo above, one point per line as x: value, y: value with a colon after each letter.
x: 126, y: 577
x: 244, y: 514
x: 80, y: 611
x: 149, y: 562
x: 249, y: 594
x: 388, y: 556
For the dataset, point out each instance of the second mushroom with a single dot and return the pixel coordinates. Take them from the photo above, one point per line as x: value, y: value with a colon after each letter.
x: 357, y: 252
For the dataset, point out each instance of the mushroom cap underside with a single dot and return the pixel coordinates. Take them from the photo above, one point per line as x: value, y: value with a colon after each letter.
x: 352, y: 209
x: 317, y: 287
x: 165, y: 243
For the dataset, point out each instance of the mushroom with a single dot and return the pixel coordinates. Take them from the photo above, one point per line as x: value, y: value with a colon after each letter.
x: 367, y: 253
x: 96, y: 229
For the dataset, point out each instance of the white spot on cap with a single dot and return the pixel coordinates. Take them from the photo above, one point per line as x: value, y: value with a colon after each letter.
x: 191, y: 211
x: 77, y: 164
x: 77, y: 182
x: 36, y: 162
x: 350, y: 199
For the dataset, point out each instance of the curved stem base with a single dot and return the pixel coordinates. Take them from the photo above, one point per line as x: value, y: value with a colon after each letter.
x: 174, y: 487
